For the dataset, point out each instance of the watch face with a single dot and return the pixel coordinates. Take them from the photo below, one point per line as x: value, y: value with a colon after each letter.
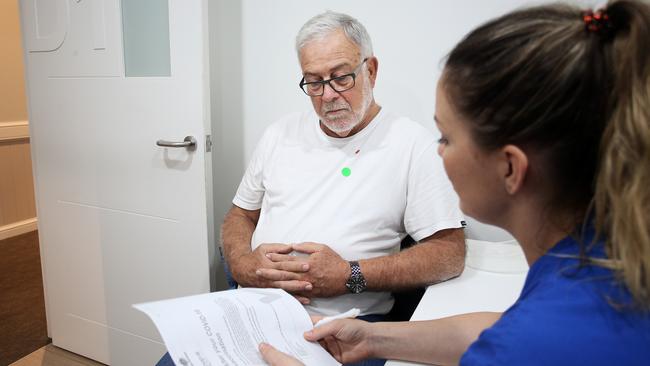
x: 356, y: 288
x: 356, y: 284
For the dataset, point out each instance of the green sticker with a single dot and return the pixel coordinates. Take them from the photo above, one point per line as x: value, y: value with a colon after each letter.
x: 346, y: 172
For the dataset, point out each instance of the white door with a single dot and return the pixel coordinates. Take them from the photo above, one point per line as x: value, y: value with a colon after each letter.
x: 121, y: 219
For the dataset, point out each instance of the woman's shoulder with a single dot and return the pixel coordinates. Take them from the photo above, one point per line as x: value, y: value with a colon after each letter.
x: 559, y: 323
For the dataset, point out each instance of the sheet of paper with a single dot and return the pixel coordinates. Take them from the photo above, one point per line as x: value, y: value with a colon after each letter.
x: 225, y: 328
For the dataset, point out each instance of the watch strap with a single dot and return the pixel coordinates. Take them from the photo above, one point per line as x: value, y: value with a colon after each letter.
x: 356, y: 283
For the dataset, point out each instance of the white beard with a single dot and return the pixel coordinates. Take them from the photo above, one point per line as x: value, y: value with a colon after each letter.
x: 345, y: 119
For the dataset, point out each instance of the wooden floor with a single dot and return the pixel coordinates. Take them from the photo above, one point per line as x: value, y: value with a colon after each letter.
x: 22, y: 305
x: 54, y: 356
x: 23, y: 327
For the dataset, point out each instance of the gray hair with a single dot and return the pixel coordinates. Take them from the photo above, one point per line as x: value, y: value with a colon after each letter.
x: 323, y: 24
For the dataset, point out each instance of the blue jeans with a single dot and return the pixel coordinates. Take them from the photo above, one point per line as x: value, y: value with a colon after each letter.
x: 166, y: 360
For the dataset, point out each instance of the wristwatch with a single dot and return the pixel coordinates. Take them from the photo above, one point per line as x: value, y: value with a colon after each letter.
x: 356, y: 283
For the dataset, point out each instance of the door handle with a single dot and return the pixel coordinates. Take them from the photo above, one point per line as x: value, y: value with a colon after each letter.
x: 188, y: 142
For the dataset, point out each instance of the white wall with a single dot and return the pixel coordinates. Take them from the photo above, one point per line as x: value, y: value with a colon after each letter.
x: 410, y: 39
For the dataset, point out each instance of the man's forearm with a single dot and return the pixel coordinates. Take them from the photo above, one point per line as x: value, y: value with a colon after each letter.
x: 434, y: 259
x: 236, y: 234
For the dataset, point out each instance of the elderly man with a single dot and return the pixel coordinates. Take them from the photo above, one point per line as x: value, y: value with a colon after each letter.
x: 329, y: 194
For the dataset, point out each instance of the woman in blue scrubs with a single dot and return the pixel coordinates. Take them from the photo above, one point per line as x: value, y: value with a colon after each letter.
x: 545, y: 122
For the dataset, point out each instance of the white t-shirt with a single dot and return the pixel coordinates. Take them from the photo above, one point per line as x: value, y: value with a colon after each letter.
x: 360, y: 195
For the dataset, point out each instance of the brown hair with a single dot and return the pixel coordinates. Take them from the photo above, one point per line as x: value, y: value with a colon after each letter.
x: 580, y: 100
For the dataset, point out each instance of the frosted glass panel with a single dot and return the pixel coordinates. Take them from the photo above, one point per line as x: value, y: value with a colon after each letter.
x: 145, y: 26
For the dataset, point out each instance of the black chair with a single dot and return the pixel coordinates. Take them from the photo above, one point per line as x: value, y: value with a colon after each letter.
x: 405, y: 301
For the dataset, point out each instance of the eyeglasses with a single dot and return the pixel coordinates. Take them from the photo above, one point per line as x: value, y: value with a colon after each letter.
x: 339, y: 83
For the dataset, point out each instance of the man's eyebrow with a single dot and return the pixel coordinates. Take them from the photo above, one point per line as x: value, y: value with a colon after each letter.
x: 340, y: 66
x: 331, y: 70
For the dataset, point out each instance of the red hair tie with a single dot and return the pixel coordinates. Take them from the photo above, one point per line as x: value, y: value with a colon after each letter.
x: 597, y: 22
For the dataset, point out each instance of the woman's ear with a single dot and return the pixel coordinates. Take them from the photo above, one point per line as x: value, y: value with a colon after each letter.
x: 515, y: 168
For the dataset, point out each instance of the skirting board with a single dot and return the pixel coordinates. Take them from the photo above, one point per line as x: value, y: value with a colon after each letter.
x: 18, y: 228
x: 15, y: 130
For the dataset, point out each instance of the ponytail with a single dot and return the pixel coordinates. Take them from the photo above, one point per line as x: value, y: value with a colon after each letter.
x: 572, y: 87
x: 622, y: 192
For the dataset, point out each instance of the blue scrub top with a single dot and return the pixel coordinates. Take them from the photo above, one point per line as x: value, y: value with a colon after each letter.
x: 564, y: 317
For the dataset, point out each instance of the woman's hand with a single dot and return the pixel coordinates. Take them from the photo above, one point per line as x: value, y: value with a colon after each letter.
x: 345, y: 339
x: 277, y: 358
